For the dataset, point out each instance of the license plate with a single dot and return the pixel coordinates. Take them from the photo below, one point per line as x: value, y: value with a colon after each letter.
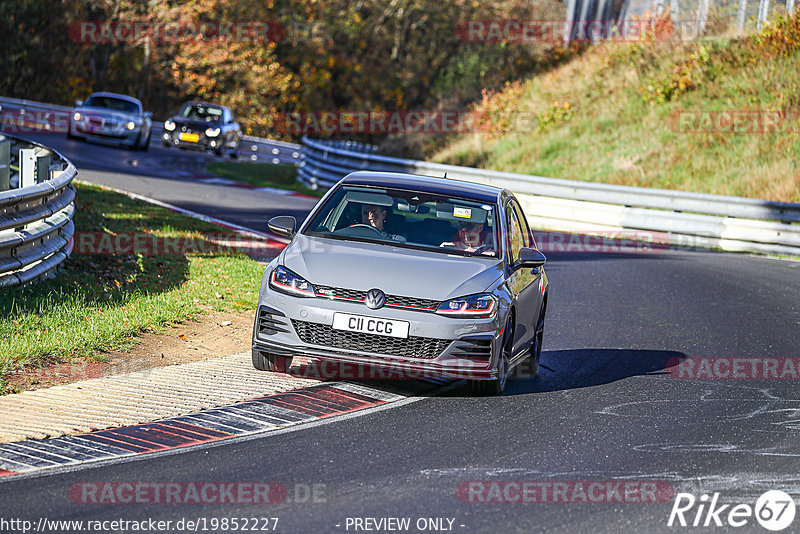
x: 370, y: 325
x: 193, y: 137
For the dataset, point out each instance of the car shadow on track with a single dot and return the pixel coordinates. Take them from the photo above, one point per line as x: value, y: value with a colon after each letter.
x: 580, y: 368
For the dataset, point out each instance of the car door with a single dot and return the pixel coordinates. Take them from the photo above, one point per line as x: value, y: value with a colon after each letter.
x: 524, y: 283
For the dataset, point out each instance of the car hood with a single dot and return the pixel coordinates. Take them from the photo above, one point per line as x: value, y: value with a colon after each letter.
x: 394, y: 270
x: 113, y: 114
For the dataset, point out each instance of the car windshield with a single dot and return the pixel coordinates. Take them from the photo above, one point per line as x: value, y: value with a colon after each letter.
x: 413, y: 219
x: 198, y: 112
x: 110, y: 102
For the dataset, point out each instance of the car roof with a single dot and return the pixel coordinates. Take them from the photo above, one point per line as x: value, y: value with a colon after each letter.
x: 117, y: 95
x: 430, y: 184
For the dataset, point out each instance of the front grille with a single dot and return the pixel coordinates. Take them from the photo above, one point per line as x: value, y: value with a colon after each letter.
x: 411, y: 347
x: 392, y: 301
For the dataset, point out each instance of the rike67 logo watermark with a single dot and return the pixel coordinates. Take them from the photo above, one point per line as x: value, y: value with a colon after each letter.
x: 774, y: 510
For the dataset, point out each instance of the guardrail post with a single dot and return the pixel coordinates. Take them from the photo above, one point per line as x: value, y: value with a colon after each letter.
x: 5, y: 164
x: 27, y: 167
x: 43, y: 169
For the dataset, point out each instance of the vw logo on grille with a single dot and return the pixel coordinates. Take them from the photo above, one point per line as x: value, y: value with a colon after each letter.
x: 375, y: 299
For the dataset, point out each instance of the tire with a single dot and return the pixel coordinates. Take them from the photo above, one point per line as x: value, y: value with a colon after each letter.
x: 535, y: 352
x: 498, y: 385
x: 265, y: 361
x: 146, y: 145
x: 235, y: 152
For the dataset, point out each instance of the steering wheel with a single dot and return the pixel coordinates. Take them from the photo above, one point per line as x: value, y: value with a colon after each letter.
x: 362, y: 225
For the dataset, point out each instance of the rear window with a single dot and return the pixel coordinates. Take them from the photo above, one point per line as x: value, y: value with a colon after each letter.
x: 413, y: 219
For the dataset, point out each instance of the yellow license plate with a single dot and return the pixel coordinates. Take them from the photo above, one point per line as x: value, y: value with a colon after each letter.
x: 190, y: 137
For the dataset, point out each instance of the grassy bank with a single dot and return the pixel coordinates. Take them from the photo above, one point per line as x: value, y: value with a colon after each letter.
x: 634, y: 114
x: 99, y: 301
x: 280, y: 176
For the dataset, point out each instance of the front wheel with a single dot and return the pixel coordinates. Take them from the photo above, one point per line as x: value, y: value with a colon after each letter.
x: 265, y: 361
x: 498, y: 385
x: 146, y: 144
x: 535, y: 353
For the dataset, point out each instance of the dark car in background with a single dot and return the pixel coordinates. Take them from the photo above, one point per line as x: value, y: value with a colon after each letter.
x: 111, y: 118
x: 203, y: 126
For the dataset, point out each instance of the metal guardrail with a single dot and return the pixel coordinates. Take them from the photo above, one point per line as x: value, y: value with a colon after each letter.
x: 36, y: 210
x: 666, y: 216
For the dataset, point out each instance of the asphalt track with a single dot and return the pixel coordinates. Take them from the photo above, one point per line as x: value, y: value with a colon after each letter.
x: 604, y: 407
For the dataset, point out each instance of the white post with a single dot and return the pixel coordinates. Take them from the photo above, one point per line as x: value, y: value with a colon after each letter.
x: 763, y: 13
x: 27, y: 167
x: 741, y: 15
x: 702, y: 16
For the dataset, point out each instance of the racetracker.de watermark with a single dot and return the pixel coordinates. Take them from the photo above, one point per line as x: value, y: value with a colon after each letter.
x: 208, y: 492
x: 564, y: 492
x: 146, y: 244
x: 23, y: 121
x: 734, y: 368
x: 736, y: 122
x: 132, y: 32
x: 588, y: 31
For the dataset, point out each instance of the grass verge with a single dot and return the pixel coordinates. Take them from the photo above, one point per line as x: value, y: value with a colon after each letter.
x: 279, y: 176
x: 100, y: 301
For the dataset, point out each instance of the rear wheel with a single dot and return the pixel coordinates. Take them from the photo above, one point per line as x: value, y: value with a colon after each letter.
x: 265, y: 361
x: 497, y: 385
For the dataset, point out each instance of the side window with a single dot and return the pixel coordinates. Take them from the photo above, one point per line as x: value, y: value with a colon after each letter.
x: 527, y: 235
x: 515, y: 239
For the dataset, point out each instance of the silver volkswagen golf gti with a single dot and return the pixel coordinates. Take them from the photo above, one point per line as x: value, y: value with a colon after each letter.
x: 418, y: 275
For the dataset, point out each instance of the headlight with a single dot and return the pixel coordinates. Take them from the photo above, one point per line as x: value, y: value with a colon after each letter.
x: 474, y: 306
x: 77, y: 116
x: 285, y: 281
x: 130, y: 125
x: 169, y: 125
x: 212, y: 132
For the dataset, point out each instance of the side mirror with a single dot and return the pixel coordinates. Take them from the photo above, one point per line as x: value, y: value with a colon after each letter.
x: 529, y: 258
x: 283, y: 225
x: 78, y: 103
x: 148, y: 114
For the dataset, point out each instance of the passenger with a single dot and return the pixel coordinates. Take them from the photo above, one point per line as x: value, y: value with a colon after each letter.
x: 469, y: 238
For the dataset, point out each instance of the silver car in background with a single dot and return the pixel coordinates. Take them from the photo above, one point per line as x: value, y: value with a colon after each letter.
x: 410, y: 273
x: 111, y: 118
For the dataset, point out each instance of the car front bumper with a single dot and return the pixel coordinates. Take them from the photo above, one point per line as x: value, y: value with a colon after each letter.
x: 437, y: 346
x: 203, y: 143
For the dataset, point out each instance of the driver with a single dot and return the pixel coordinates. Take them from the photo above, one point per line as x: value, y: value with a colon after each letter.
x: 375, y: 216
x: 468, y: 238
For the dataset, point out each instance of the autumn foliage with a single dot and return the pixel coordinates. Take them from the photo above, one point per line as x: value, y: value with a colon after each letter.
x: 366, y: 55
